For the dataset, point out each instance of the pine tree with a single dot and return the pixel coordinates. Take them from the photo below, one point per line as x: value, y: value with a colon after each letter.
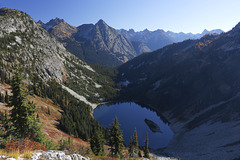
x: 130, y: 148
x: 23, y: 113
x: 116, y: 139
x: 146, y: 150
x: 49, y: 112
x: 2, y: 98
x: 135, y: 140
x: 6, y: 97
x: 133, y: 146
x: 96, y: 143
x: 6, y: 125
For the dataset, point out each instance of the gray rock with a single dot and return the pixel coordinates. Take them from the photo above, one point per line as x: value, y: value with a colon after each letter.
x: 56, y: 155
x: 67, y: 157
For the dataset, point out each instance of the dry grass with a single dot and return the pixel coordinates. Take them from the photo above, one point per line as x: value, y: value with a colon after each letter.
x: 2, y: 152
x: 27, y: 155
x: 50, y: 122
x: 14, y: 154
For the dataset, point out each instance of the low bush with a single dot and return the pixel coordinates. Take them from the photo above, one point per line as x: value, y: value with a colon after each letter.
x: 23, y: 145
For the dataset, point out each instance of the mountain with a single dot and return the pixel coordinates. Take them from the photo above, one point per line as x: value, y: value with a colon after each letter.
x: 59, y: 28
x: 153, y: 39
x: 179, y: 37
x: 51, y: 75
x: 95, y: 44
x: 159, y: 38
x: 140, y: 47
x: 26, y: 42
x: 195, y: 85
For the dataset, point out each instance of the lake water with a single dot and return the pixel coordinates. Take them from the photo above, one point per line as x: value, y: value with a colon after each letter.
x: 131, y: 115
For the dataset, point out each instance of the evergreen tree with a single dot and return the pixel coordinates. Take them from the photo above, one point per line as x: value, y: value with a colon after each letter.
x: 6, y: 125
x: 2, y: 76
x: 146, y: 150
x: 133, y: 146
x: 49, y: 112
x: 139, y: 153
x: 23, y: 113
x: 2, y: 98
x: 96, y: 143
x: 135, y: 140
x: 130, y: 148
x: 6, y: 97
x: 116, y: 139
x: 1, y: 126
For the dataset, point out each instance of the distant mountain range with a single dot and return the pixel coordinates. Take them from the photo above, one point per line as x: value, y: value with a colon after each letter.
x: 159, y: 38
x: 104, y: 45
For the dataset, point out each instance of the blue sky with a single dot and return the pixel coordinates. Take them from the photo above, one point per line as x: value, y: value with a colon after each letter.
x: 174, y: 15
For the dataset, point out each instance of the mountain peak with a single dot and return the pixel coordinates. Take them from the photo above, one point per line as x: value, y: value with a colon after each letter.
x: 56, y: 20
x: 146, y: 30
x: 101, y: 22
x: 51, y: 23
x: 205, y: 31
x: 131, y: 31
x: 237, y: 26
x: 40, y: 22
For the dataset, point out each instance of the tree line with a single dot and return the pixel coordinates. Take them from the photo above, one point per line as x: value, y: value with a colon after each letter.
x: 23, y: 120
x: 115, y: 141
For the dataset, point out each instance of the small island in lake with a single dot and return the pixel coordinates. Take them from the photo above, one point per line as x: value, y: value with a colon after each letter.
x: 153, y: 126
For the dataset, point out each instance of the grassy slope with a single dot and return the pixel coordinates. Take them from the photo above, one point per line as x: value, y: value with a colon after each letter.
x: 50, y: 122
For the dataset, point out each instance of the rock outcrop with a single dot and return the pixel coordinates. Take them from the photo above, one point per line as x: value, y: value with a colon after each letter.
x: 51, y: 154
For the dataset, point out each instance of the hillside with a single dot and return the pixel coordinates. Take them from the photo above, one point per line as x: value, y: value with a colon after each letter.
x: 50, y: 120
x: 95, y: 44
x: 51, y: 72
x: 24, y: 41
x: 195, y: 84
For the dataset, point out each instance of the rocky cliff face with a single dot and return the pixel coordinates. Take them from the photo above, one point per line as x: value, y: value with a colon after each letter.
x: 26, y: 42
x: 97, y: 43
x: 107, y: 38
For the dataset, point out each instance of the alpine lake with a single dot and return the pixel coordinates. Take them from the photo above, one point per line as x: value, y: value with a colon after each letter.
x: 131, y: 115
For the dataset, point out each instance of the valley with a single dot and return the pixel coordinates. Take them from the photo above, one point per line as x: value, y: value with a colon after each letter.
x: 187, y: 85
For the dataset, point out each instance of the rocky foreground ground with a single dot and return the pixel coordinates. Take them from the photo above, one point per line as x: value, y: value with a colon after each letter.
x: 53, y: 155
x: 61, y: 155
